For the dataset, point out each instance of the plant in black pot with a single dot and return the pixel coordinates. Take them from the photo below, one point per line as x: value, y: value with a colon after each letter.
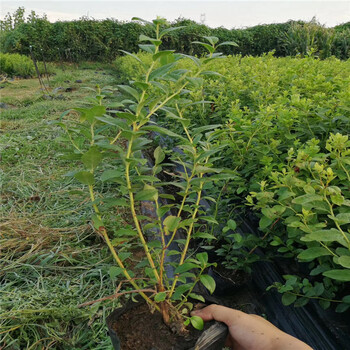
x: 161, y: 184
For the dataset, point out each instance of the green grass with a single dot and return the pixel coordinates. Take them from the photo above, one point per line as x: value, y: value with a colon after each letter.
x: 50, y: 259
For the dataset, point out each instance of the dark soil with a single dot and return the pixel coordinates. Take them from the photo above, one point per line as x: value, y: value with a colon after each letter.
x: 229, y: 281
x: 139, y: 329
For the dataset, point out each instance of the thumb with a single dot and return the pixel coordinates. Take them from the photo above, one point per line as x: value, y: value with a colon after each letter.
x: 220, y: 313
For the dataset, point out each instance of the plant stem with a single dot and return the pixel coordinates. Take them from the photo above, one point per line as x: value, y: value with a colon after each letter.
x: 189, y: 232
x: 190, y: 290
x: 133, y: 210
x: 116, y: 138
x: 320, y: 298
x: 103, y: 231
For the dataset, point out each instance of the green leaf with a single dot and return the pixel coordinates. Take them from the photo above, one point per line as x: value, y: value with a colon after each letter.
x: 160, y: 297
x: 97, y: 222
x: 162, y: 54
x: 342, y: 307
x: 319, y: 289
x: 331, y: 235
x: 337, y: 199
x: 149, y: 193
x: 193, y: 58
x: 171, y: 222
x: 159, y: 155
x: 89, y: 114
x: 309, y: 189
x: 208, y: 283
x: 128, y: 116
x: 232, y: 43
x: 203, y: 235
x: 325, y: 304
x: 265, y: 222
x: 301, y: 302
x: 180, y: 290
x: 185, y: 267
x: 126, y: 232
x: 85, y: 177
x: 312, y: 253
x: 202, y: 258
x: 163, y: 131
x: 338, y: 274
x: 307, y: 198
x: 142, y: 20
x: 161, y: 71
x: 201, y: 169
x: 209, y: 219
x: 212, y: 39
x: 199, y: 130
x: 237, y: 237
x: 111, y: 174
x: 344, y: 261
x: 114, y: 121
x: 197, y: 297
x: 269, y: 213
x: 343, y: 218
x: 141, y: 85
x: 129, y: 90
x: 346, y: 299
x: 132, y: 55
x: 210, y: 48
x: 154, y: 41
x: 92, y: 158
x: 148, y: 48
x: 288, y: 299
x: 115, y: 271
x: 197, y: 322
x: 232, y: 224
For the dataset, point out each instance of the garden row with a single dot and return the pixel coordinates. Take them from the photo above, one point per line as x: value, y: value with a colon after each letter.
x: 89, y: 39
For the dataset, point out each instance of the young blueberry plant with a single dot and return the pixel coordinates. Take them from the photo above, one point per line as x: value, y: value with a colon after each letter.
x: 113, y: 146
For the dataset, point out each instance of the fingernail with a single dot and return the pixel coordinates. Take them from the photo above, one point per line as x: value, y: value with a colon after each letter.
x: 195, y: 313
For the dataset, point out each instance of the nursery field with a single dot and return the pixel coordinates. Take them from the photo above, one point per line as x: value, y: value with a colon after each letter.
x: 260, y: 141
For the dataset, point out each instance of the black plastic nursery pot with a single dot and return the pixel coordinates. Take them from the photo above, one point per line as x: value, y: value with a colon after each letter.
x: 133, y: 326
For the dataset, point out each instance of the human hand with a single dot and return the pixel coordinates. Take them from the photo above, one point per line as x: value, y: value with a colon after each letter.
x: 250, y: 332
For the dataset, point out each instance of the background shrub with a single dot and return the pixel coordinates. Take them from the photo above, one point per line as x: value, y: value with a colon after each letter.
x: 101, y: 40
x: 15, y: 64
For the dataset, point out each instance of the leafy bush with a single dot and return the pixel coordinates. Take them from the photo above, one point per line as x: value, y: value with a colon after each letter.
x: 310, y: 197
x: 121, y: 141
x: 341, y: 44
x: 269, y: 106
x: 15, y: 64
x: 309, y: 39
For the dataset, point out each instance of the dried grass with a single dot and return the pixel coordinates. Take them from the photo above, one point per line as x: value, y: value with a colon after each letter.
x: 24, y: 236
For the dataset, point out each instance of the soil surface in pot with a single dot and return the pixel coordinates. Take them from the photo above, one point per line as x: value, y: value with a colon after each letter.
x: 139, y: 329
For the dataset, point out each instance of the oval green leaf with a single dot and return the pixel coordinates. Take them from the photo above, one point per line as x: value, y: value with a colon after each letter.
x: 208, y: 283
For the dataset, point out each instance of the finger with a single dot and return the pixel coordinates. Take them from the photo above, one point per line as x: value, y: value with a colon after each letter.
x: 222, y: 314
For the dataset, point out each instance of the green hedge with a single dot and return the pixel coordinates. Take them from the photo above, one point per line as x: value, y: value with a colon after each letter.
x: 102, y: 40
x: 15, y: 64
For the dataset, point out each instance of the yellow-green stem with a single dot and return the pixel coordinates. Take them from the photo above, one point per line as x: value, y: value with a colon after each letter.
x: 116, y: 138
x: 320, y: 298
x: 162, y: 258
x: 103, y: 231
x: 133, y: 210
x: 189, y: 233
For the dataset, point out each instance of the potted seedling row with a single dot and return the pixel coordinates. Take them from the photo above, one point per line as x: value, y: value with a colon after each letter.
x: 115, y: 142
